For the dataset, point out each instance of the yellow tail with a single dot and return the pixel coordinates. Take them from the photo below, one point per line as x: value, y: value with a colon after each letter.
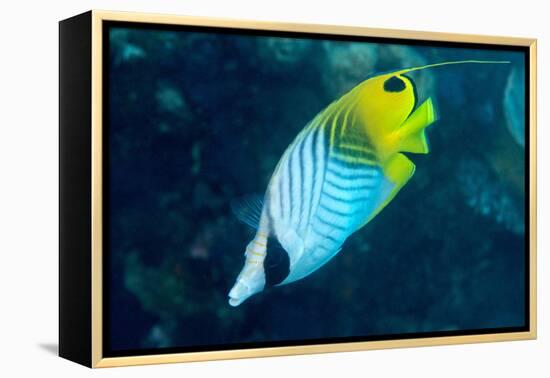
x: 412, y: 134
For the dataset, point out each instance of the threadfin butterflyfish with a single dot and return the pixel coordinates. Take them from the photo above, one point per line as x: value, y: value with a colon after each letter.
x: 340, y: 171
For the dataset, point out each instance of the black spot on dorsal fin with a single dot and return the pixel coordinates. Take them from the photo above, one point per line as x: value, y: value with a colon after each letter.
x: 276, y: 263
x: 394, y: 84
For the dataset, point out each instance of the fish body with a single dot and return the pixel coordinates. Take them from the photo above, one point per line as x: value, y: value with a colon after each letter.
x: 340, y: 171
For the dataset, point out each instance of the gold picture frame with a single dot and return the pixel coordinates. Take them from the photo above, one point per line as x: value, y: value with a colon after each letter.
x: 90, y: 328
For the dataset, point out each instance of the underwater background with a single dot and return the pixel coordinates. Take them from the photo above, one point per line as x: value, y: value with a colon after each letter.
x: 199, y: 119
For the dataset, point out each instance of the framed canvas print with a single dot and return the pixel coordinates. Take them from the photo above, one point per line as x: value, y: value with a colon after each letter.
x: 235, y: 189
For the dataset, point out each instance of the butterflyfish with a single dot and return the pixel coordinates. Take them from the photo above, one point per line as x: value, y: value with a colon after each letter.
x: 340, y: 171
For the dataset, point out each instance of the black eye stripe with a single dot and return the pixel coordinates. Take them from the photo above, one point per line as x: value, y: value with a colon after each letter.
x: 276, y: 263
x: 394, y: 84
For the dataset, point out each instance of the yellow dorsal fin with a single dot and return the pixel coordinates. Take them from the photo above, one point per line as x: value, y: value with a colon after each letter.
x: 412, y: 133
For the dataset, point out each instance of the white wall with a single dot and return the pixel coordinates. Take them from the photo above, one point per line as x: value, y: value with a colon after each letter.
x: 28, y: 200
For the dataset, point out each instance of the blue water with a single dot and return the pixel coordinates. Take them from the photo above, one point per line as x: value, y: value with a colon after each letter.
x: 199, y: 119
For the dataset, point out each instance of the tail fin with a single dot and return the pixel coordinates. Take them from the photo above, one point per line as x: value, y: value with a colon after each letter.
x: 412, y: 133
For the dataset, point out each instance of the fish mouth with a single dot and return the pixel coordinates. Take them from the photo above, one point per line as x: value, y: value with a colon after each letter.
x: 239, y: 293
x: 242, y: 290
x: 248, y: 283
x: 234, y: 302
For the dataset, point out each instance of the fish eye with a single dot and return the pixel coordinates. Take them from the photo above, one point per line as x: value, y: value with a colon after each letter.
x: 394, y: 84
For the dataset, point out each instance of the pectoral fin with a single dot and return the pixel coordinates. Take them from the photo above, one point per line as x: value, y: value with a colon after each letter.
x: 412, y: 134
x: 248, y: 209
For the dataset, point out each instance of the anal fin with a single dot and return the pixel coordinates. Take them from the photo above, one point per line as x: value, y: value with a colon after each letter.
x: 397, y: 171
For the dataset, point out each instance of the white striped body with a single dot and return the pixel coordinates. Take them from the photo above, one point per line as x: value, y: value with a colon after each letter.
x: 326, y: 186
